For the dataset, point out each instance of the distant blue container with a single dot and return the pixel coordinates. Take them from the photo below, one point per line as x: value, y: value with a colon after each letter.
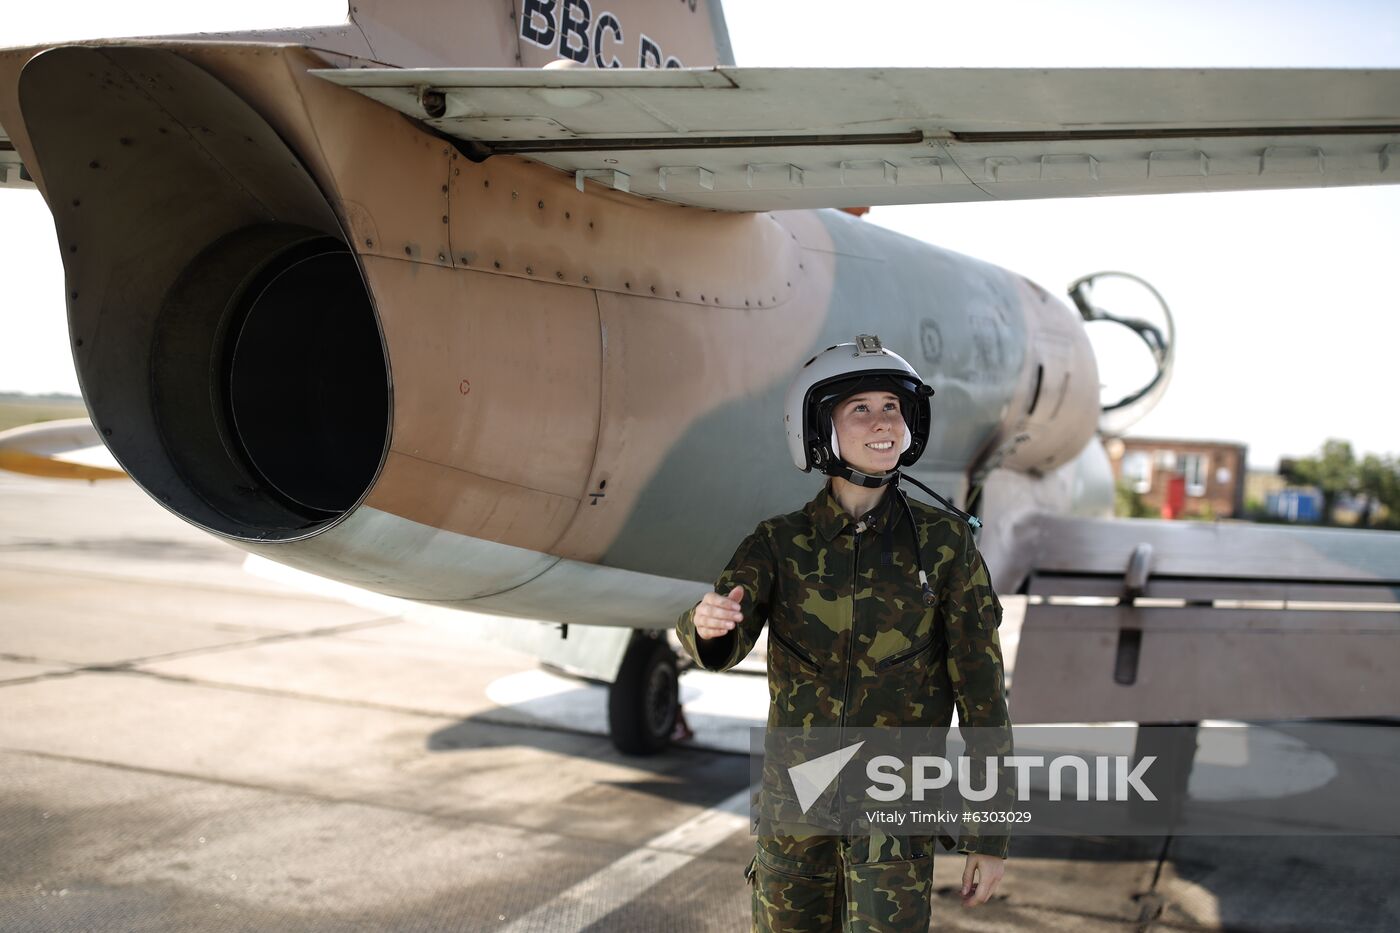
x: 1295, y: 505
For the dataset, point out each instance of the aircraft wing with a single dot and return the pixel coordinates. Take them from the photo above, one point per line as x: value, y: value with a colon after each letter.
x: 65, y: 449
x: 755, y: 139
x: 1162, y: 621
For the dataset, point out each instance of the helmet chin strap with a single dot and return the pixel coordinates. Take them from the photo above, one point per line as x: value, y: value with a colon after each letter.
x: 875, y: 480
x: 844, y: 470
x: 851, y: 475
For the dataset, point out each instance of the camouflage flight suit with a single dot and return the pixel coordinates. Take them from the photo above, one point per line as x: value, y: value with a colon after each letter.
x: 872, y: 655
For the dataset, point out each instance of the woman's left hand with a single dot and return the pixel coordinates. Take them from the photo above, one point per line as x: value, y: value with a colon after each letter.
x: 980, y: 878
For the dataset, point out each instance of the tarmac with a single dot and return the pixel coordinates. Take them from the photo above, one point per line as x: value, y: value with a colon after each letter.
x: 188, y: 745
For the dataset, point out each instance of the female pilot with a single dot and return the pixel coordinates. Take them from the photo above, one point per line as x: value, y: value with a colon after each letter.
x: 880, y: 613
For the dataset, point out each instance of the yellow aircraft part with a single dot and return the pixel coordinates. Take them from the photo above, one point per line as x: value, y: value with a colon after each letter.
x: 19, y: 461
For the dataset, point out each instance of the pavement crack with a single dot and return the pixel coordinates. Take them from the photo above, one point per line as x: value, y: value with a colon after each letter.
x: 132, y: 665
x: 484, y: 717
x: 271, y: 639
x: 465, y: 819
x: 27, y: 659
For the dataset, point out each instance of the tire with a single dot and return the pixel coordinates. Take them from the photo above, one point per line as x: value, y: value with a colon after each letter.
x: 645, y: 699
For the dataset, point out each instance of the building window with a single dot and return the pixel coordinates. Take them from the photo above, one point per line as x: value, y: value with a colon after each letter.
x: 1166, y: 460
x: 1195, y: 466
x: 1137, y: 469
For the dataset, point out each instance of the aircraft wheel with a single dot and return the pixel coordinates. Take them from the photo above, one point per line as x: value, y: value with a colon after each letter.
x: 645, y: 699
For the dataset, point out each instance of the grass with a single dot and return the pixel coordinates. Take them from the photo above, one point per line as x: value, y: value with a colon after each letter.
x: 16, y: 410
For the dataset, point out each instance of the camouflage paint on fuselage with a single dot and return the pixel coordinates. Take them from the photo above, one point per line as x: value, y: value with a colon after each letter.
x: 953, y: 317
x: 578, y: 381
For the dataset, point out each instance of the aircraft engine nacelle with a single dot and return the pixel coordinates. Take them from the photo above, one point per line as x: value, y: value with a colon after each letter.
x: 227, y: 346
x: 305, y: 323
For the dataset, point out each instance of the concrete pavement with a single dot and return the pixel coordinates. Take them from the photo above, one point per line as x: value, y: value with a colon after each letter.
x: 187, y: 746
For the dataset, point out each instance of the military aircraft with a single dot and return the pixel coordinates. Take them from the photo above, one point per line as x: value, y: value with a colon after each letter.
x: 401, y: 303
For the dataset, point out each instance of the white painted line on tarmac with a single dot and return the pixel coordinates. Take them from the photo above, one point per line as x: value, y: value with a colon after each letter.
x: 624, y: 880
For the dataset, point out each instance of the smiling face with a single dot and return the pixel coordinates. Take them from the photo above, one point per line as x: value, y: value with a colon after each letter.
x: 870, y: 431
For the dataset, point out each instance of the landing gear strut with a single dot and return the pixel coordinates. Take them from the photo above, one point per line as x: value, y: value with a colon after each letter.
x: 644, y: 702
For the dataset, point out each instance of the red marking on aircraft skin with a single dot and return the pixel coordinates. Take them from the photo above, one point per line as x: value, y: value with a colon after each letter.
x: 465, y: 386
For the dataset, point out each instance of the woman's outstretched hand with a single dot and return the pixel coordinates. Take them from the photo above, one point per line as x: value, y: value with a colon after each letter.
x: 716, y: 615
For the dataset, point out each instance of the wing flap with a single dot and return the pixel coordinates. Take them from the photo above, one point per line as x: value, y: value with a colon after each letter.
x: 1208, y: 621
x: 764, y: 138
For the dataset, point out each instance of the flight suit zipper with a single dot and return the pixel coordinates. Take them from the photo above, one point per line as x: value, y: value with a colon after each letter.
x: 851, y: 643
x: 850, y: 654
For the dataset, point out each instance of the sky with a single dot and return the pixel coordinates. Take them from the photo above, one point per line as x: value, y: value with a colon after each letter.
x: 1288, y: 326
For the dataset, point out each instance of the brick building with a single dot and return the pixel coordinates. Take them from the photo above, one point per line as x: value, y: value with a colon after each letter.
x: 1214, y: 472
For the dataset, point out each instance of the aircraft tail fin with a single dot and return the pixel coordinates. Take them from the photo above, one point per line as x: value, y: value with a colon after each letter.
x: 532, y: 33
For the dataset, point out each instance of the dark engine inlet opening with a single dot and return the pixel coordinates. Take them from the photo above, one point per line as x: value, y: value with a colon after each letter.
x: 270, y: 383
x: 305, y: 380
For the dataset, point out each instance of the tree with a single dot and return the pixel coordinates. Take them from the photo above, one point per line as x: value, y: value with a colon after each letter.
x: 1334, y: 471
x: 1129, y: 502
x: 1378, y: 479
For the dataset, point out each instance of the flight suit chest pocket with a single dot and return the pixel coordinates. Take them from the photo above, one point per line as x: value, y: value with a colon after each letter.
x: 893, y: 626
x: 810, y: 620
x: 786, y: 643
x: 906, y: 647
x: 907, y: 656
x: 795, y: 683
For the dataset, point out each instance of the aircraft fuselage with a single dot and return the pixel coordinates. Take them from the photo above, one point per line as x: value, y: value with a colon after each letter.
x: 316, y: 329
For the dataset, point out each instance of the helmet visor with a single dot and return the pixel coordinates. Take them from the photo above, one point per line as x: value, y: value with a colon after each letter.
x: 826, y: 397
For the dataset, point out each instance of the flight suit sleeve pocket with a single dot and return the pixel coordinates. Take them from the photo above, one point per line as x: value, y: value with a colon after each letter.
x: 786, y: 865
x: 788, y: 893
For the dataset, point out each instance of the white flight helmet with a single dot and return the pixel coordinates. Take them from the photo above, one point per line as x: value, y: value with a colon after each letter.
x: 832, y: 375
